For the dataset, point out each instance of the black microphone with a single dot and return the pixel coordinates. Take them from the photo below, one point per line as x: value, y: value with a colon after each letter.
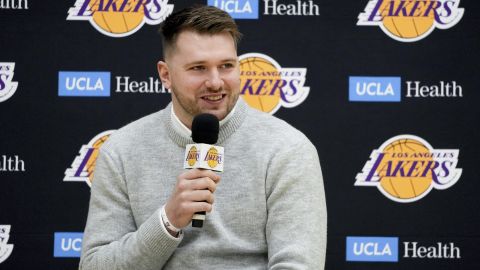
x: 205, y: 128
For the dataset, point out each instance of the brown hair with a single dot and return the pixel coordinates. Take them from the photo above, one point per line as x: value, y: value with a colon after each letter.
x: 201, y: 19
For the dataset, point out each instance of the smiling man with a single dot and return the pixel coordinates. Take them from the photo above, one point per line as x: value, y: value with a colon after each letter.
x: 266, y: 210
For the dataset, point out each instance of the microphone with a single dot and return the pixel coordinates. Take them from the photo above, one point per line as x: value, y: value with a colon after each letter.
x: 203, y: 154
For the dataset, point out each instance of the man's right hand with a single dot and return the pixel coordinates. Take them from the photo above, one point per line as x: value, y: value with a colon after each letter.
x: 193, y: 193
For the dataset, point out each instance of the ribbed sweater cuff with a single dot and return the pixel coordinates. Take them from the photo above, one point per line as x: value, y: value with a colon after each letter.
x: 156, y: 239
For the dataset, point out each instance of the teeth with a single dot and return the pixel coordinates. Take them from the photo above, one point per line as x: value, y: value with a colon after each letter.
x: 214, y: 98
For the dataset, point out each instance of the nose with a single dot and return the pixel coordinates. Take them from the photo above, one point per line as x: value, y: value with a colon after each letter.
x: 214, y: 81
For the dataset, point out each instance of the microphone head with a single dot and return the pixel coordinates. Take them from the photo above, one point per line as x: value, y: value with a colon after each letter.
x: 205, y: 128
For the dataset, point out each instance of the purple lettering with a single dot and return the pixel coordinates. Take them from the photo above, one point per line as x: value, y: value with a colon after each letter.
x: 279, y: 87
x: 374, y: 168
x: 83, y: 8
x: 2, y: 82
x: 293, y: 87
x: 447, y: 9
x: 84, y: 162
x: 122, y: 7
x: 140, y: 4
x: 375, y: 10
x: 399, y: 168
x: 110, y: 3
x: 248, y: 87
x: 433, y: 7
x: 432, y: 169
x: 260, y: 87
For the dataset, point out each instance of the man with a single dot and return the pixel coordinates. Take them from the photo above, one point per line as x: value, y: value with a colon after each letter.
x: 267, y: 211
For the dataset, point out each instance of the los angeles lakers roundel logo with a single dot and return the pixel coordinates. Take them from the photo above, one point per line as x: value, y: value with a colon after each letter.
x: 411, y: 20
x: 192, y: 156
x: 83, y: 166
x: 406, y: 168
x: 120, y: 18
x: 266, y: 86
x: 213, y: 158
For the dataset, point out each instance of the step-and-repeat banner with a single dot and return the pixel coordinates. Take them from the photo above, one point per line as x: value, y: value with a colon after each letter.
x: 386, y: 89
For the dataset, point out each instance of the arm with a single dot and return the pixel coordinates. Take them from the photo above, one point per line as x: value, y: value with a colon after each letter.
x: 297, y: 216
x: 112, y: 239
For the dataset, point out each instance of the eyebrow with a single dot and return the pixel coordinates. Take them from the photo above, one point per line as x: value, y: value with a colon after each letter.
x: 201, y: 62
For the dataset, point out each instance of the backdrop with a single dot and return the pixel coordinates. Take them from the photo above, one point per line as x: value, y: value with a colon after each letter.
x: 386, y: 90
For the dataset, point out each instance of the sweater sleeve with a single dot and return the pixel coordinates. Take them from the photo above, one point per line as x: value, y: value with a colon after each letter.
x: 112, y: 239
x: 296, y: 228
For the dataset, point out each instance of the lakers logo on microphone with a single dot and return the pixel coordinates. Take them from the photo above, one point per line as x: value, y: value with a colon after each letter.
x: 192, y: 156
x: 120, y: 18
x: 213, y: 158
x: 412, y: 20
x: 83, y: 166
x: 267, y: 86
x: 204, y: 156
x: 406, y: 168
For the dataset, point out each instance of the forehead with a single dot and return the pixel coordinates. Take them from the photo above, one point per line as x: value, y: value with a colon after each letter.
x: 193, y: 46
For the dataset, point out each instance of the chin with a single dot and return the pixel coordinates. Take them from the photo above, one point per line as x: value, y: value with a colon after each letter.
x: 219, y: 114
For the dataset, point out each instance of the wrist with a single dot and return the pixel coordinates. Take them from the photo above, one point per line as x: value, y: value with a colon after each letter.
x: 174, y: 231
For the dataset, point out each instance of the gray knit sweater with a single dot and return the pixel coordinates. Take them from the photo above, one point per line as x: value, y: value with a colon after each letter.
x: 269, y: 210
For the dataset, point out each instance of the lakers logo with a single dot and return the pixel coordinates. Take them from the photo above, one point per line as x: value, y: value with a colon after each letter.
x: 120, y: 18
x: 213, y: 158
x: 406, y: 168
x: 410, y: 20
x: 192, y: 156
x: 7, y: 85
x: 83, y: 166
x: 5, y: 248
x: 266, y: 86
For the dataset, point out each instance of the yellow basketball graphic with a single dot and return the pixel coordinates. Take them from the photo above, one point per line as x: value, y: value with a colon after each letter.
x: 117, y: 22
x: 405, y: 187
x: 410, y: 25
x: 212, y: 157
x: 90, y: 166
x: 192, y: 156
x: 262, y: 78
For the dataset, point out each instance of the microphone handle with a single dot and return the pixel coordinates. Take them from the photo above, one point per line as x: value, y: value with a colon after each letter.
x: 196, y: 222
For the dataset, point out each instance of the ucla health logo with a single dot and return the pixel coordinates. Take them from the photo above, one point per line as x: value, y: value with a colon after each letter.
x: 372, y: 249
x: 267, y: 86
x: 67, y: 244
x: 84, y: 164
x: 376, y: 89
x: 83, y: 84
x: 238, y: 9
x: 5, y: 248
x: 406, y: 168
x: 7, y: 85
x: 410, y: 21
x: 120, y: 18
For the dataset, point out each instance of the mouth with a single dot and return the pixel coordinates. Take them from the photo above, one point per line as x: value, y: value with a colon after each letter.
x: 213, y: 98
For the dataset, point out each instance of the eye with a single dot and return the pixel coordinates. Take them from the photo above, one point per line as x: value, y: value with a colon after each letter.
x: 198, y: 68
x: 227, y: 65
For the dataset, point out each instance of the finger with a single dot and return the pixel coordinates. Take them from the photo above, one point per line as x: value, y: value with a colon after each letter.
x: 203, y: 183
x: 199, y: 173
x: 201, y: 206
x: 194, y: 207
x: 199, y: 196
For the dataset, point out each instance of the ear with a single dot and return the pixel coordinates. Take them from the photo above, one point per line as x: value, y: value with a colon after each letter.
x: 164, y: 74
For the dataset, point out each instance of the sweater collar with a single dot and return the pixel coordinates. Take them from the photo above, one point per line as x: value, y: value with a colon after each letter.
x: 227, y: 128
x: 185, y: 131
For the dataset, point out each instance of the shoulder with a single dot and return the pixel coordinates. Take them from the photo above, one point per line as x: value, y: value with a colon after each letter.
x: 135, y: 133
x: 273, y: 130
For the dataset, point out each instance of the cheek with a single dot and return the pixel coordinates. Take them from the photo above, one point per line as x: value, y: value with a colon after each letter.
x: 187, y: 85
x: 233, y: 81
